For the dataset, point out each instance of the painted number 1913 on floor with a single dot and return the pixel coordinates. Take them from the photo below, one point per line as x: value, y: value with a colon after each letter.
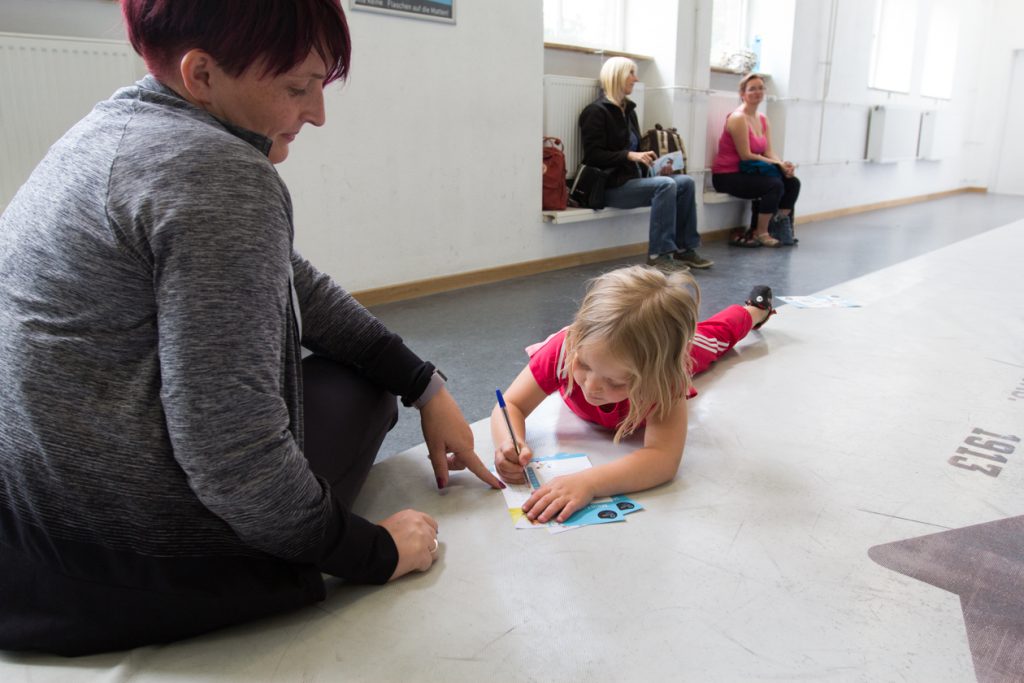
x: 986, y: 447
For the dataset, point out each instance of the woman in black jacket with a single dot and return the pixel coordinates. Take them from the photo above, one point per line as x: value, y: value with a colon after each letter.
x: 611, y: 140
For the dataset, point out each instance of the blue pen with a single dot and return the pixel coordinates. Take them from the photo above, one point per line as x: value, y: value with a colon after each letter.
x: 508, y: 422
x: 511, y: 432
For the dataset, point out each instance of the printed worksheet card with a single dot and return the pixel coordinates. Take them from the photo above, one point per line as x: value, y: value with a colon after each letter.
x: 542, y: 470
x: 827, y: 301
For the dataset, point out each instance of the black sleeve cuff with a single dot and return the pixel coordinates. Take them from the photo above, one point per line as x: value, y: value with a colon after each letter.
x: 395, y: 367
x: 356, y: 549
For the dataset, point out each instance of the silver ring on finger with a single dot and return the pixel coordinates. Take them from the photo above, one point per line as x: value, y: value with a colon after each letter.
x: 434, y: 549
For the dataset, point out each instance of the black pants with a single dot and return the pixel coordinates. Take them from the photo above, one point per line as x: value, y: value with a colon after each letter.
x: 346, y: 420
x: 74, y: 598
x: 773, y: 192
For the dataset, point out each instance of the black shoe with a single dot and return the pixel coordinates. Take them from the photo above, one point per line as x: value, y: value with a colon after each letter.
x: 668, y: 263
x: 761, y: 297
x: 693, y: 259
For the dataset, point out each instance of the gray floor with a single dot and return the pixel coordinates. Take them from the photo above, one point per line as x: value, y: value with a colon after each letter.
x: 477, y: 335
x: 832, y: 438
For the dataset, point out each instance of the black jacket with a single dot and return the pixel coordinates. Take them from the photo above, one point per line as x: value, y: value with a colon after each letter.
x: 605, y: 133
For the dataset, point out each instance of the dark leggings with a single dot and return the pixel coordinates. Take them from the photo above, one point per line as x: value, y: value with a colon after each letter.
x: 346, y: 420
x: 44, y: 607
x: 774, y: 192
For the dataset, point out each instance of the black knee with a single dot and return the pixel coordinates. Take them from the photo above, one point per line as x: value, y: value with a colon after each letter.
x: 792, y: 191
x: 774, y: 190
x: 344, y: 412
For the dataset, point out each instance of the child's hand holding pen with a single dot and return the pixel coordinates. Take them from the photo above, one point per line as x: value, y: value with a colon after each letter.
x: 509, y: 463
x: 510, y: 454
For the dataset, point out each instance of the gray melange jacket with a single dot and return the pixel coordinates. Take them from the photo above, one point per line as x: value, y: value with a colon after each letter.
x: 150, y: 377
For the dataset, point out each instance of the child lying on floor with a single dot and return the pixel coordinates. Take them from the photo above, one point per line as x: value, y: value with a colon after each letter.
x: 625, y: 362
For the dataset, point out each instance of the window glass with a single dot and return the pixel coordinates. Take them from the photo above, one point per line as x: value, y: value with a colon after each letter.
x: 728, y: 29
x: 940, y: 50
x: 892, y: 54
x: 587, y: 23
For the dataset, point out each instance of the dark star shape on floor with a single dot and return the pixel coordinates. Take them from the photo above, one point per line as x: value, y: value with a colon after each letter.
x: 984, y: 565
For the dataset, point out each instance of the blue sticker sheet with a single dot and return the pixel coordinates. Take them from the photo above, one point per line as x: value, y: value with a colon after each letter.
x: 542, y: 470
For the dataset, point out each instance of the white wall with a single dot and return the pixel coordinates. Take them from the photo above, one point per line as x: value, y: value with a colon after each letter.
x: 829, y: 147
x: 430, y: 161
x: 833, y: 177
x: 990, y: 120
x: 76, y: 18
x: 429, y: 164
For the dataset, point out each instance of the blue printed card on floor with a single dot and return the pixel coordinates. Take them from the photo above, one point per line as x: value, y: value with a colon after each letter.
x: 542, y: 470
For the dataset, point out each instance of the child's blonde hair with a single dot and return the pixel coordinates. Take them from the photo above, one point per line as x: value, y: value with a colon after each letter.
x: 646, y: 319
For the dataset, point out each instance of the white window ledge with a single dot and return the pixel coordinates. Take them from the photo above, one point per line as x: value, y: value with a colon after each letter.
x: 577, y: 215
x: 598, y: 51
x: 711, y: 197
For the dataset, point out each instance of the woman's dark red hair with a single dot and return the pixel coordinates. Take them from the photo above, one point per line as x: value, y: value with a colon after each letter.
x: 239, y: 33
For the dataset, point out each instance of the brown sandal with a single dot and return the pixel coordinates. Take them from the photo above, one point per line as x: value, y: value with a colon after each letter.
x: 767, y: 240
x: 742, y: 238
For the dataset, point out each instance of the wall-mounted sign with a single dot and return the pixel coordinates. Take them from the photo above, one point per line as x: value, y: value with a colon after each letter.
x: 435, y: 10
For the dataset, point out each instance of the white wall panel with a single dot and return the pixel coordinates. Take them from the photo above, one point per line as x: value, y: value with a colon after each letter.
x: 49, y: 83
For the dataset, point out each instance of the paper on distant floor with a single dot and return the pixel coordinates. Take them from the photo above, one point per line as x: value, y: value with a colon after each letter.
x: 542, y: 470
x: 827, y: 301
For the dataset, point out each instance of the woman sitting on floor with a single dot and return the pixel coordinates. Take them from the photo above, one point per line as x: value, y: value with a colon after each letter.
x: 169, y: 463
x: 746, y: 166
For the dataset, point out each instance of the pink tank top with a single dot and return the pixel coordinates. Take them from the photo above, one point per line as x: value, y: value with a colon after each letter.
x: 727, y: 160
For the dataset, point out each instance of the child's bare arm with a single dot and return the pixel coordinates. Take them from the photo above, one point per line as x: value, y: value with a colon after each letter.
x: 521, y: 399
x: 656, y: 462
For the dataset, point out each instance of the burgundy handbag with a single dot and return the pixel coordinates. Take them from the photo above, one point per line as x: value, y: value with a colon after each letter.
x: 556, y: 192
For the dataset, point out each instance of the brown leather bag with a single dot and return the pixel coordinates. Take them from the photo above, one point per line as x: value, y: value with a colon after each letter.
x: 663, y: 141
x: 556, y: 192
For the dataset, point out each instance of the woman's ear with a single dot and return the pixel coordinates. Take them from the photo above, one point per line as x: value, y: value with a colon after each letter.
x: 197, y: 69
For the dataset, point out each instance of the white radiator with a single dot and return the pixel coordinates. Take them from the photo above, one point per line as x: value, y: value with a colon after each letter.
x: 564, y: 99
x: 932, y: 145
x: 893, y: 134
x: 49, y: 83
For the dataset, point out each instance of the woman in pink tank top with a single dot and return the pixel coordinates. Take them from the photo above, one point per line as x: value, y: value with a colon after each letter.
x: 747, y: 137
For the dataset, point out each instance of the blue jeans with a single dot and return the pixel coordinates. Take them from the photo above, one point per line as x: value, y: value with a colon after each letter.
x: 673, y: 211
